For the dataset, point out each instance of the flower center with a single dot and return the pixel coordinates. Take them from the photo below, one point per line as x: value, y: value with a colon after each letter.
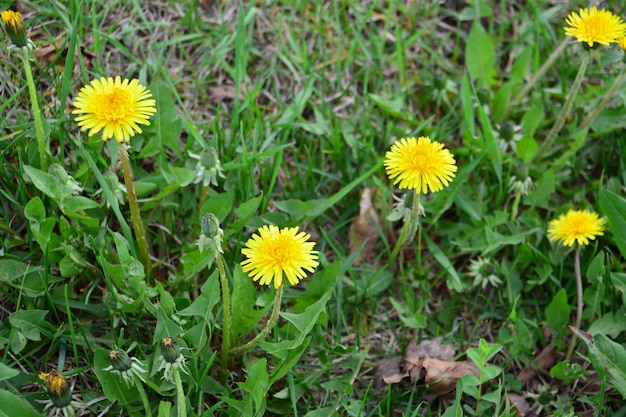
x: 115, y: 105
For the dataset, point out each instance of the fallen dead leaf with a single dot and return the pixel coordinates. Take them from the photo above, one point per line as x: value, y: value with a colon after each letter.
x: 519, y: 402
x: 225, y: 92
x: 56, y: 53
x: 441, y: 376
x: 544, y: 361
x: 388, y: 372
x: 364, y: 229
x: 435, y: 349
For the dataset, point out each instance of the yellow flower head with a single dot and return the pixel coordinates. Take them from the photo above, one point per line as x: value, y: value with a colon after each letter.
x: 622, y: 43
x: 576, y: 226
x: 273, y: 253
x: 595, y: 26
x: 114, y: 106
x: 419, y: 164
x: 14, y: 26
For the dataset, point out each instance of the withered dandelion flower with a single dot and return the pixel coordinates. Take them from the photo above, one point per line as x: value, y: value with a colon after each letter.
x: 114, y: 106
x: 273, y: 253
x: 420, y: 164
x: 576, y: 226
x: 595, y: 26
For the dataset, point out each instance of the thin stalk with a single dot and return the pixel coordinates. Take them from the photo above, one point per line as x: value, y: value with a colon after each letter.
x: 135, y: 215
x: 43, y: 155
x: 579, y: 303
x: 144, y: 396
x: 566, y: 108
x: 180, y: 394
x: 226, y: 321
x: 536, y: 76
x: 268, y: 327
x: 408, y: 230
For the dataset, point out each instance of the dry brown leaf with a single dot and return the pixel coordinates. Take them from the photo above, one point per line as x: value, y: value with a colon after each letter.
x: 56, y: 53
x: 364, y: 229
x: 544, y: 361
x: 224, y: 92
x: 519, y: 402
x: 435, y: 349
x: 441, y: 376
x: 388, y: 372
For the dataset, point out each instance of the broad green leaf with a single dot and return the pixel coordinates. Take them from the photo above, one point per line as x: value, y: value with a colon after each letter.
x: 454, y: 280
x: 219, y: 204
x: 614, y: 207
x: 257, y: 385
x: 28, y: 278
x: 298, y: 209
x: 165, y: 409
x: 526, y: 148
x: 303, y: 323
x: 30, y: 323
x: 11, y: 406
x: 288, y: 359
x: 7, y: 372
x: 165, y: 128
x: 77, y: 203
x: 165, y: 327
x: 613, y: 357
x: 180, y: 176
x: 393, y: 107
x: 208, y: 299
x: 610, y: 324
x: 558, y: 311
x: 49, y: 184
x: 35, y: 210
x: 480, y: 57
x: 113, y: 386
x: 532, y: 119
x: 244, y: 316
x: 541, y: 195
x: 618, y: 279
x: 566, y: 371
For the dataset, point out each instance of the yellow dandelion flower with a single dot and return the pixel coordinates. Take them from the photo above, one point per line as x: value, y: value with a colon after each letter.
x: 114, y: 106
x: 419, y: 164
x: 14, y: 26
x: 576, y: 226
x: 595, y: 26
x: 622, y: 43
x: 273, y: 253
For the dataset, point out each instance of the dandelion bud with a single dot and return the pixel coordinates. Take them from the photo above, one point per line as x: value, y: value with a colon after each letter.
x: 120, y: 360
x: 212, y: 234
x: 169, y: 349
x: 210, y: 225
x: 208, y: 167
x: 57, y: 387
x: 14, y: 27
x: 506, y: 132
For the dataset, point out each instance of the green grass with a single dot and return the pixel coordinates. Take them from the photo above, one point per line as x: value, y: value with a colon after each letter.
x: 301, y: 100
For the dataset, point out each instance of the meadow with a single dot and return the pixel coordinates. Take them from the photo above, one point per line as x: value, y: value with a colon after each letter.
x: 312, y: 208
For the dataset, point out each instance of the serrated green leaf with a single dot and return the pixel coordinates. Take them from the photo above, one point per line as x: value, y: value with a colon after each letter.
x: 614, y: 207
x: 12, y: 406
x: 558, y: 311
x: 480, y: 57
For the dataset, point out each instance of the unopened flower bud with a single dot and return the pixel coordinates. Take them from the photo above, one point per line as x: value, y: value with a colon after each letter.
x: 169, y: 349
x: 120, y: 360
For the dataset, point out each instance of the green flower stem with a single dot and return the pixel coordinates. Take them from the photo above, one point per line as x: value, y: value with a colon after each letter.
x: 43, y: 155
x: 536, y: 76
x: 226, y: 321
x: 566, y: 108
x: 408, y: 230
x: 579, y: 302
x: 144, y: 396
x: 135, y: 215
x: 268, y: 327
x: 180, y: 394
